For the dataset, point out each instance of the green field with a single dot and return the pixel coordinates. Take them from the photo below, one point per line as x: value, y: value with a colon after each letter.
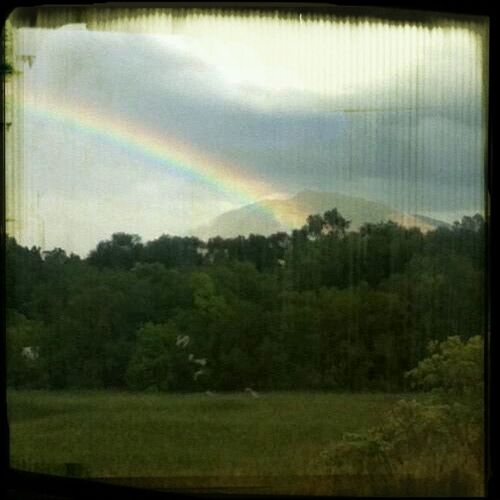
x: 114, y: 434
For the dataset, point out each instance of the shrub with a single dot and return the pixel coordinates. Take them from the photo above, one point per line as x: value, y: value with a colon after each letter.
x: 436, y: 438
x: 453, y: 372
x: 158, y: 363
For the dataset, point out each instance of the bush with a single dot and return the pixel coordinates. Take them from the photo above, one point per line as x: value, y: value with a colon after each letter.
x: 433, y: 438
x: 158, y: 362
x: 454, y: 371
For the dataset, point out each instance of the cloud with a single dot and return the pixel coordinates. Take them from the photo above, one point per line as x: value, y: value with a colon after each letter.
x: 409, y: 134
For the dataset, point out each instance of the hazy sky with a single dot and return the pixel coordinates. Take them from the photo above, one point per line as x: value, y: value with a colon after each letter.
x: 253, y: 108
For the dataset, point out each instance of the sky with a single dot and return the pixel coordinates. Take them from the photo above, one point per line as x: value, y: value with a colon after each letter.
x: 157, y: 126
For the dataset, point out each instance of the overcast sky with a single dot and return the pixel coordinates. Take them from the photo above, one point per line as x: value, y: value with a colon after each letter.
x: 388, y: 113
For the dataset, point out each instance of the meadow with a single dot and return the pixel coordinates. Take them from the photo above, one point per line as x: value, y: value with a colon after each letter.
x: 188, y: 440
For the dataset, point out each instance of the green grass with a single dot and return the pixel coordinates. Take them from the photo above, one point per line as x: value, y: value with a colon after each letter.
x: 226, y: 440
x: 121, y: 434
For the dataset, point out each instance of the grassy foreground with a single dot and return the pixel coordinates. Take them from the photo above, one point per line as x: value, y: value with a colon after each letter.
x: 193, y: 439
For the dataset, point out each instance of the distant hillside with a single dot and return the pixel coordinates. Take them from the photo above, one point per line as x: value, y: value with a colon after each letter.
x: 433, y: 222
x: 271, y: 216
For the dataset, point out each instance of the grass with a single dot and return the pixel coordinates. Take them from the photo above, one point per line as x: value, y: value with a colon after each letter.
x: 187, y: 437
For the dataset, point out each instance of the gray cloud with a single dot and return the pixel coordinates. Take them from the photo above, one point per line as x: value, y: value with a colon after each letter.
x: 374, y: 142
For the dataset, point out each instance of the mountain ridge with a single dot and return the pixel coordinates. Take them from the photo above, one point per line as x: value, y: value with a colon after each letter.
x: 273, y: 215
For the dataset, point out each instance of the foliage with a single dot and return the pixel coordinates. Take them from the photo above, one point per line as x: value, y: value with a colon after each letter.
x: 6, y: 68
x: 23, y: 350
x: 157, y: 362
x: 454, y: 370
x: 320, y: 308
x: 429, y: 438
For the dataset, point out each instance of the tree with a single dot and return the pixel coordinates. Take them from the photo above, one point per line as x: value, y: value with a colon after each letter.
x: 315, y: 225
x: 122, y: 251
x: 205, y: 297
x: 25, y: 365
x: 453, y: 370
x: 325, y: 307
x: 23, y: 272
x: 174, y: 251
x: 159, y: 362
x: 443, y: 434
x: 335, y: 223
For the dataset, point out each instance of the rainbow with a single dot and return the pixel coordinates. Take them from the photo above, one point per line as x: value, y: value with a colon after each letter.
x: 168, y: 151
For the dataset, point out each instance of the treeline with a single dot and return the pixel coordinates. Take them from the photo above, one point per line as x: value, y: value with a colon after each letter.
x: 320, y: 308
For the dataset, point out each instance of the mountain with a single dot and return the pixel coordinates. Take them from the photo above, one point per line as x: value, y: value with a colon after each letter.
x: 273, y: 215
x: 432, y: 221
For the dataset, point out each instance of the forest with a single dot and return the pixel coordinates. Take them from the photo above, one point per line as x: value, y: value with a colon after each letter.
x: 322, y: 308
